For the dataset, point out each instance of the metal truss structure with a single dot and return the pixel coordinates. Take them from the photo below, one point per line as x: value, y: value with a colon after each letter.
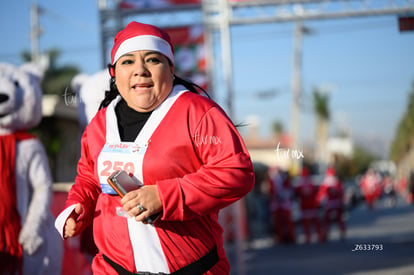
x: 266, y: 11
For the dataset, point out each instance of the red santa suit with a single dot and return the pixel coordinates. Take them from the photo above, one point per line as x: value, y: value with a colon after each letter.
x: 193, y: 153
x: 282, y: 194
x: 330, y: 196
x: 371, y: 188
x: 306, y: 191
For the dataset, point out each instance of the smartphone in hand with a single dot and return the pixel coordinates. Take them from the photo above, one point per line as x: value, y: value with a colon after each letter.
x: 122, y: 183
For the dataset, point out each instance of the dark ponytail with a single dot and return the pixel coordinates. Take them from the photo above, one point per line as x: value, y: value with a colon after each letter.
x: 109, y: 95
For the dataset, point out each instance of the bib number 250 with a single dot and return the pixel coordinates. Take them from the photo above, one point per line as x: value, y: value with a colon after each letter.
x: 111, y: 166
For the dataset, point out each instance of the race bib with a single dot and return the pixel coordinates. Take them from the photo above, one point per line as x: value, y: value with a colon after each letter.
x: 119, y: 156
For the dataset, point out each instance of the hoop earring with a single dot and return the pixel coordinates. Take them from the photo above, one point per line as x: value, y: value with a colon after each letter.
x: 111, y: 69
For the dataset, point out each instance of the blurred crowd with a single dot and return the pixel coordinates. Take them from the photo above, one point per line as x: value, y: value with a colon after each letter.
x: 285, y: 207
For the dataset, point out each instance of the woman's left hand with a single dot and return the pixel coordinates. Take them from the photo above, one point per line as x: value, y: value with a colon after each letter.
x: 142, y: 203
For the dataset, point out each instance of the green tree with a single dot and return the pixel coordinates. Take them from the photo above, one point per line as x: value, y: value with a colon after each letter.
x: 355, y: 165
x: 404, y: 135
x: 277, y: 129
x: 321, y: 111
x: 56, y: 78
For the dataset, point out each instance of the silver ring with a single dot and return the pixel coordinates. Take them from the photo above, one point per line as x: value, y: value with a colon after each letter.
x: 140, y: 208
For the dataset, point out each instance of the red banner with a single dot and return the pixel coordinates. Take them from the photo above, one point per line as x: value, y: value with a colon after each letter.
x: 138, y: 4
x: 190, y: 56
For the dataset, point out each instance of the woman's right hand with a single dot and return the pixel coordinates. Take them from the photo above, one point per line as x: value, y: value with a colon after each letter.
x: 72, y: 226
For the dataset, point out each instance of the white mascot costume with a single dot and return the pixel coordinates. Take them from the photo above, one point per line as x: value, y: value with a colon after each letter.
x: 90, y: 91
x: 29, y: 243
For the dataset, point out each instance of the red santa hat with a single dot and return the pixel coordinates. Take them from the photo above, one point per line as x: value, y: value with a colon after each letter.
x: 138, y: 36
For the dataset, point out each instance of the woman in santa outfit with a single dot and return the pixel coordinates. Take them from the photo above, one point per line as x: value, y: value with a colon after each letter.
x: 180, y: 145
x: 306, y: 192
x: 281, y: 203
x: 371, y: 187
x: 330, y: 197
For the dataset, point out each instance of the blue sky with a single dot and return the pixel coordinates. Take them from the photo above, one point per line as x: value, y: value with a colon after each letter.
x: 366, y: 63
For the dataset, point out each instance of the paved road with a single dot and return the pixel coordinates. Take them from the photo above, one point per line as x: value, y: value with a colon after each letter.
x: 387, y: 232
